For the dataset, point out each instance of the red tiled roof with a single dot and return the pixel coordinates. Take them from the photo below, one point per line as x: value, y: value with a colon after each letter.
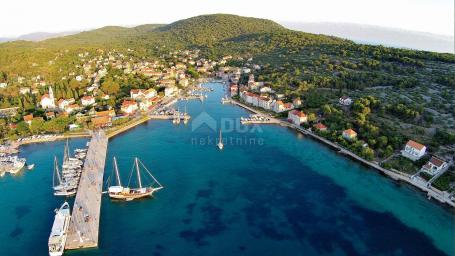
x: 415, y: 145
x: 436, y: 161
x: 28, y: 117
x: 320, y: 126
x: 127, y: 103
x: 350, y: 132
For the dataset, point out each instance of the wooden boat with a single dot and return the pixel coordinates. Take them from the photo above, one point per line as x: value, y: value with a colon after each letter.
x: 127, y: 193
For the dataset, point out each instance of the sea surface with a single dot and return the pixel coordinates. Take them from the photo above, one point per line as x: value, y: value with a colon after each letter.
x: 270, y: 191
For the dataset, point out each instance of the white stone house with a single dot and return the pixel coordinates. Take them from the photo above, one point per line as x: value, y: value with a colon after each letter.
x: 413, y: 150
x: 345, y: 101
x: 434, y: 166
x: 87, y: 101
x: 297, y: 117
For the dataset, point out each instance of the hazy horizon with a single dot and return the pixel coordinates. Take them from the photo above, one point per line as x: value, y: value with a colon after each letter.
x: 360, y: 33
x: 49, y: 16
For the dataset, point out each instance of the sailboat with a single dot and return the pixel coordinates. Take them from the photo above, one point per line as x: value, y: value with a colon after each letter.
x: 220, y: 142
x: 61, y: 187
x: 127, y: 193
x: 186, y: 117
x: 66, y: 180
x: 176, y: 117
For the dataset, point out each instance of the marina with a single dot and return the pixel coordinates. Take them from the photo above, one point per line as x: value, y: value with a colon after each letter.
x: 208, y: 206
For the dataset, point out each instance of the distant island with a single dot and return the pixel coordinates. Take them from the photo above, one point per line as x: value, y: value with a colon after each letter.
x: 384, y: 104
x: 376, y: 35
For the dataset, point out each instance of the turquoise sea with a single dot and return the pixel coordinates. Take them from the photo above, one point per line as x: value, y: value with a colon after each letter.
x: 271, y: 191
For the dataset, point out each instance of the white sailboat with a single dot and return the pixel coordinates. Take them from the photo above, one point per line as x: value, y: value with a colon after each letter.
x: 127, y: 193
x: 66, y: 180
x: 57, y: 238
x: 186, y: 117
x: 61, y: 186
x: 220, y: 142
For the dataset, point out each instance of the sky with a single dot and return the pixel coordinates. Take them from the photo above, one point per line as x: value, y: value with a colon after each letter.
x: 20, y: 17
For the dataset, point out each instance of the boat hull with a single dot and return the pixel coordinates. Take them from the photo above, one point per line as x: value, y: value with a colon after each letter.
x: 130, y: 196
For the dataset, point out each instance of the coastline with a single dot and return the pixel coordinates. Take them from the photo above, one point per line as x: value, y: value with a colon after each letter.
x: 431, y: 192
x: 53, y: 138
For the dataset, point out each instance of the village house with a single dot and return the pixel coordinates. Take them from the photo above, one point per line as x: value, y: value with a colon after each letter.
x: 129, y: 106
x: 345, y: 101
x: 71, y: 108
x: 87, y: 101
x: 297, y: 102
x: 146, y: 104
x: 297, y: 117
x: 109, y: 113
x: 320, y: 127
x: 234, y: 89
x: 349, y: 134
x: 24, y: 90
x: 170, y: 91
x: 28, y: 119
x: 73, y: 127
x: 413, y: 150
x: 64, y: 103
x: 50, y: 115
x: 167, y: 82
x: 3, y: 85
x: 150, y: 93
x: 137, y: 93
x: 434, y: 166
x: 184, y: 82
x: 266, y: 89
x: 265, y: 102
x: 101, y: 121
x: 280, y: 106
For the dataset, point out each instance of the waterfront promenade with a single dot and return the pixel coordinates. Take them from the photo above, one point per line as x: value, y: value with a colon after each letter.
x: 440, y: 196
x: 83, y: 230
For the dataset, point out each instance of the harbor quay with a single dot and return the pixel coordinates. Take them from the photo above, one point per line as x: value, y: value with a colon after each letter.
x: 83, y: 230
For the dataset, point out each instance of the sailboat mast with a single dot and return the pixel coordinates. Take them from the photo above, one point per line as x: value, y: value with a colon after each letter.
x: 138, y: 173
x: 221, y: 139
x: 56, y: 171
x: 117, y: 175
x: 66, y: 153
x: 53, y: 173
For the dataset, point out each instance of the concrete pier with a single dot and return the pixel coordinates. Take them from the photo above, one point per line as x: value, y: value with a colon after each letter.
x: 83, y: 230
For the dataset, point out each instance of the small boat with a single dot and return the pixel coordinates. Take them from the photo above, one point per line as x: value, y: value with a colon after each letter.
x: 30, y: 166
x: 220, y: 142
x: 57, y: 238
x: 186, y: 117
x: 127, y: 193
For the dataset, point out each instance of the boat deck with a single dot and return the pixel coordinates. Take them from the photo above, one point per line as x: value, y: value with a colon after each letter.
x: 84, y: 226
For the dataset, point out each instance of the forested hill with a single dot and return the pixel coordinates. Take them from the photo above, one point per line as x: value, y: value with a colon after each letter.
x: 334, y: 61
x: 209, y: 29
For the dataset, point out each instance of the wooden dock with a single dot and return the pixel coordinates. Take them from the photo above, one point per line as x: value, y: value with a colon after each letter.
x: 83, y: 230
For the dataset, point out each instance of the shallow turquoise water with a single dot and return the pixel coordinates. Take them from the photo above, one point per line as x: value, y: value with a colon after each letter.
x: 271, y: 191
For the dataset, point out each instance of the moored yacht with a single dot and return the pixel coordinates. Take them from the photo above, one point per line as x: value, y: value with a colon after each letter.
x: 127, y: 193
x: 57, y: 238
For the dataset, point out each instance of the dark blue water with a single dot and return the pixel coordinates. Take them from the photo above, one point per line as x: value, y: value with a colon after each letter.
x: 270, y: 191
